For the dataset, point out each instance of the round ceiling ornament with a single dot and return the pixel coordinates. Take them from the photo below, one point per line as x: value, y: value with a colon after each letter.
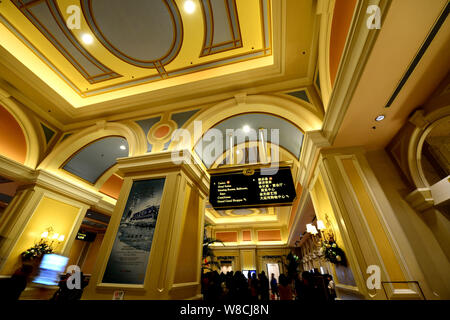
x: 143, y: 33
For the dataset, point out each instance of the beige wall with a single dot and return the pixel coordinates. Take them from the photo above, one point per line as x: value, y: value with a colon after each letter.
x: 427, y: 235
x: 92, y: 254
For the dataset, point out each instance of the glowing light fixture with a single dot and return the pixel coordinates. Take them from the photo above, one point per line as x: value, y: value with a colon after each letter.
x: 246, y: 128
x: 44, y: 234
x: 314, y: 230
x: 320, y: 225
x: 87, y: 38
x: 309, y: 227
x: 61, y: 238
x: 122, y: 147
x: 55, y: 236
x: 380, y: 117
x: 189, y: 6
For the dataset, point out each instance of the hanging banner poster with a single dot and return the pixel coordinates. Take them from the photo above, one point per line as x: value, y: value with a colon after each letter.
x: 130, y: 253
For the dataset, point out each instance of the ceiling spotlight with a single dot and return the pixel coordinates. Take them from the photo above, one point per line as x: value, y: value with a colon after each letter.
x: 87, y: 38
x: 122, y: 147
x: 246, y: 129
x: 189, y: 6
x: 380, y: 117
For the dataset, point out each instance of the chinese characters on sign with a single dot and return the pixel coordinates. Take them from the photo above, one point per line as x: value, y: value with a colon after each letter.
x: 271, y: 191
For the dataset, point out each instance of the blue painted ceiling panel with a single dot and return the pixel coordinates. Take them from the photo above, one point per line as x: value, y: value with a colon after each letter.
x: 290, y: 137
x: 92, y: 161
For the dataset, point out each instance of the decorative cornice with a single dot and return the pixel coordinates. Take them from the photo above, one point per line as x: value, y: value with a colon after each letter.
x: 354, y: 58
x: 42, y: 178
x: 179, y: 159
x: 15, y: 170
x: 4, y: 94
x: 313, y: 142
x: 105, y: 207
x: 56, y: 184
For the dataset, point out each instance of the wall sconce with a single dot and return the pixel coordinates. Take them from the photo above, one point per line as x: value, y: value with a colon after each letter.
x: 320, y: 225
x: 49, y: 234
x: 311, y: 229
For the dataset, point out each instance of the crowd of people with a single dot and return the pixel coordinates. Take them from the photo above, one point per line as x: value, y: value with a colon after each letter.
x: 236, y: 286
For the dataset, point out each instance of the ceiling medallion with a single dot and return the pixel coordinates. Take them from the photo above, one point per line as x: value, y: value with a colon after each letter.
x: 149, y: 35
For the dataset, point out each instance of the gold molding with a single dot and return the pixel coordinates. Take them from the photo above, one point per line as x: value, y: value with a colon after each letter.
x: 90, y: 78
x: 234, y: 41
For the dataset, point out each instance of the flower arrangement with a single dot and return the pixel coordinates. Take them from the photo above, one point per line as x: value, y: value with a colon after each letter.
x: 292, y: 265
x: 36, y: 251
x: 332, y: 252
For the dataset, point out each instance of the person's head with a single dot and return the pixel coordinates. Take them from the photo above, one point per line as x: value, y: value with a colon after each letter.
x: 249, y: 274
x: 254, y: 276
x: 273, y: 275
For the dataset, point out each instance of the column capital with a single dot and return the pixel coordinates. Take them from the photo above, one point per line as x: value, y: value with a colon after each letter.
x: 51, y: 182
x: 183, y: 160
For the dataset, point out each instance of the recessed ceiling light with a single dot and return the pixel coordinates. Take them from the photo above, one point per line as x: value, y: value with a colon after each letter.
x: 189, y: 6
x: 122, y: 147
x: 380, y: 117
x: 246, y: 128
x: 87, y: 38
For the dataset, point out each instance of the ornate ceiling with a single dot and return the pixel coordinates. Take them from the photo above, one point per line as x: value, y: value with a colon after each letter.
x: 125, y: 49
x: 134, y: 44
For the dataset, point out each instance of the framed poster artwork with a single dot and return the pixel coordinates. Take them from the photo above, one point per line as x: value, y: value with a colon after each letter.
x: 129, y: 256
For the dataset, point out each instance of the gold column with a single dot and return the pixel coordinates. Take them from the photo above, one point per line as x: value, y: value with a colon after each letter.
x: 173, y: 265
x: 346, y: 193
x: 46, y: 201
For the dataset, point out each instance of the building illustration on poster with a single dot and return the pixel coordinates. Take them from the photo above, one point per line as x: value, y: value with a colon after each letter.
x: 130, y: 253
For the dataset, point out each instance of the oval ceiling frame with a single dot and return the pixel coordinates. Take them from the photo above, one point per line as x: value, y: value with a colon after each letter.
x: 171, y: 54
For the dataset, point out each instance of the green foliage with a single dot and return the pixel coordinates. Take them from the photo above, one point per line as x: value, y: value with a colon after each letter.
x: 36, y: 251
x: 207, y: 252
x: 333, y: 253
x: 292, y: 265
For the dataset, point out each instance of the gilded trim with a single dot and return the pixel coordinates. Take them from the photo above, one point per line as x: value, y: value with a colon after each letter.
x: 209, y: 47
x: 53, y: 9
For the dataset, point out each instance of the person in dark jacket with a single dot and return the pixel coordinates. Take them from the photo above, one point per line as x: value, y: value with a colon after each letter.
x: 274, y: 286
x: 66, y: 294
x: 263, y: 286
x: 14, y: 286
